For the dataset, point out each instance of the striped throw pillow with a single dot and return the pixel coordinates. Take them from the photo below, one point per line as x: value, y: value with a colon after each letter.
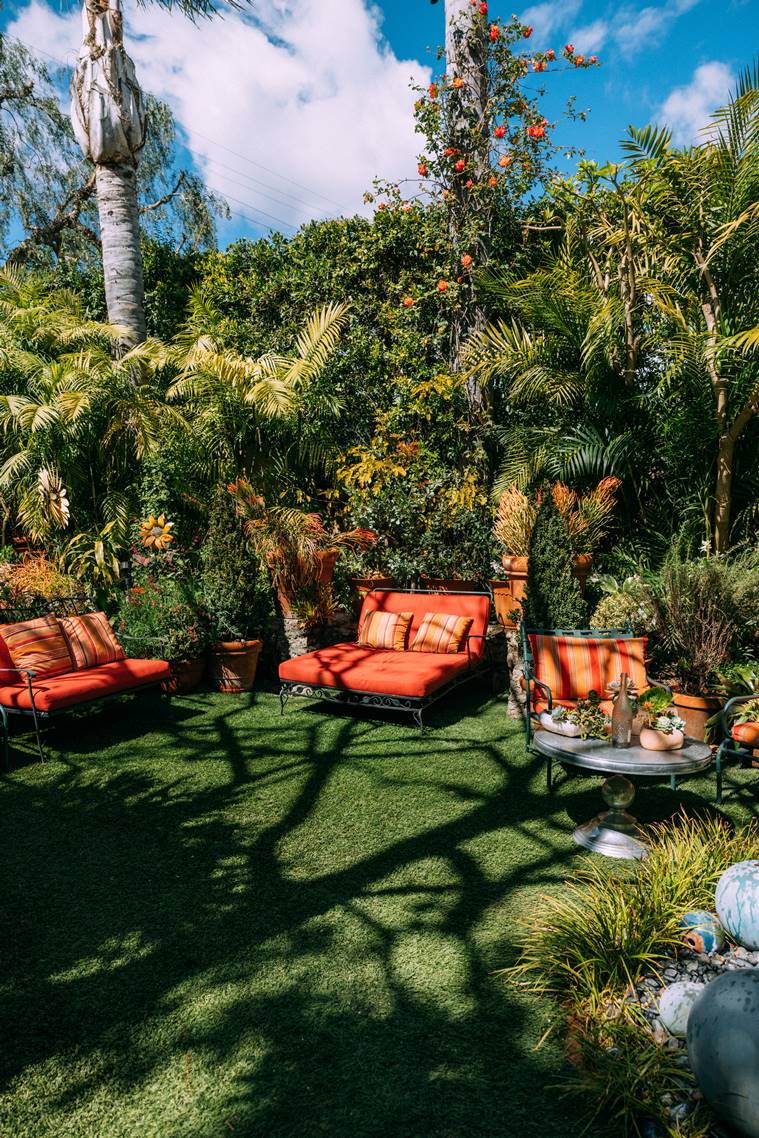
x: 387, y: 630
x: 574, y: 666
x: 91, y: 640
x: 38, y: 646
x: 441, y: 632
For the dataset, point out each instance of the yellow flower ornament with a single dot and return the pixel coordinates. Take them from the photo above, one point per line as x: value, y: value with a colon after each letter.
x: 154, y: 533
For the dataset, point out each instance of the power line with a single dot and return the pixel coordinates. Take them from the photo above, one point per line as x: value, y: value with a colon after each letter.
x: 282, y: 194
x: 249, y: 205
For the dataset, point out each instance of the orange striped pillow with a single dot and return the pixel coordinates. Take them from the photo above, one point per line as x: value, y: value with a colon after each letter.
x: 385, y: 630
x: 38, y: 646
x: 91, y: 640
x: 574, y: 666
x: 441, y: 632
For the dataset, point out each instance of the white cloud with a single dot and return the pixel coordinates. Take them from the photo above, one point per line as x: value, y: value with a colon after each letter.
x: 686, y: 110
x: 591, y: 37
x: 637, y: 25
x: 550, y: 16
x: 309, y: 89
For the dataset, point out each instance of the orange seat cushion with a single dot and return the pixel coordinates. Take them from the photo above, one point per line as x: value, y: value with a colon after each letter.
x: 91, y: 640
x: 574, y: 666
x: 56, y: 693
x: 38, y: 646
x: 351, y: 667
x: 746, y: 733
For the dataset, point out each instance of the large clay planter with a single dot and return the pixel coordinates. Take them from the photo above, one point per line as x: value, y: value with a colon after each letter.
x: 327, y: 562
x: 516, y: 573
x: 652, y: 740
x: 185, y: 676
x: 503, y: 602
x: 450, y: 584
x: 233, y: 664
x: 363, y: 585
x: 696, y: 710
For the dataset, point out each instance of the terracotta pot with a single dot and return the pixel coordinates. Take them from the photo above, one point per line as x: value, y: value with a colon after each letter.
x: 696, y: 710
x: 450, y: 584
x: 185, y: 676
x: 363, y: 585
x: 504, y: 603
x: 652, y: 740
x: 327, y: 562
x: 516, y: 573
x: 233, y: 664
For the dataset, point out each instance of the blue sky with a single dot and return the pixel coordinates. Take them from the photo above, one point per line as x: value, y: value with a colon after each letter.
x: 290, y: 111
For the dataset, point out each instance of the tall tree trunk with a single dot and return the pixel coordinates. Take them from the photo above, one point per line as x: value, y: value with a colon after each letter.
x: 723, y: 492
x: 109, y: 120
x: 120, y: 237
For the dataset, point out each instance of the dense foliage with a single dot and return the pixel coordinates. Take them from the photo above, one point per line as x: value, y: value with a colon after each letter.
x: 554, y: 598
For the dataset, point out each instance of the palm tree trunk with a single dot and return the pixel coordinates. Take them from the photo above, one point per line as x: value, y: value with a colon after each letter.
x: 109, y: 121
x: 122, y: 260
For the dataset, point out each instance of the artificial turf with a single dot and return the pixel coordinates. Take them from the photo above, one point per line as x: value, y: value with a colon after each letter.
x: 219, y: 922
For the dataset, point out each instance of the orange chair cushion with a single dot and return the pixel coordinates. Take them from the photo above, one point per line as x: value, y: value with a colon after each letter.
x: 441, y: 632
x: 574, y: 666
x: 56, y: 693
x: 351, y: 667
x: 746, y: 733
x: 38, y: 645
x: 91, y: 640
x: 388, y: 630
x: 473, y: 605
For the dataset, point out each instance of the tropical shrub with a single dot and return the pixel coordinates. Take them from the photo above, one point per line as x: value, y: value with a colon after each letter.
x: 623, y: 603
x: 162, y: 613
x: 553, y: 598
x: 28, y: 580
x: 586, y: 516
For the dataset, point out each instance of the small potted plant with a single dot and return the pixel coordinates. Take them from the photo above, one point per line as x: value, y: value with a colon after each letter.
x: 662, y: 729
x: 586, y: 720
x: 232, y: 596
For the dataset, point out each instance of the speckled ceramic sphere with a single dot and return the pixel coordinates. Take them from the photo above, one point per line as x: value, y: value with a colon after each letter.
x: 675, y: 1004
x: 723, y: 1047
x: 737, y: 903
x: 702, y: 932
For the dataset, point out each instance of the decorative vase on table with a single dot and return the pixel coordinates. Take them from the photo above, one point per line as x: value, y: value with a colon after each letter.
x: 622, y: 715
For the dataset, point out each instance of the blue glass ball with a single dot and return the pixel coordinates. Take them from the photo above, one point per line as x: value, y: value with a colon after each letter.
x: 723, y: 1048
x: 737, y: 902
x: 702, y: 931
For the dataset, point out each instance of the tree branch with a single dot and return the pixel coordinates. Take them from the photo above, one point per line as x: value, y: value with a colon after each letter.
x: 166, y: 197
x: 66, y: 217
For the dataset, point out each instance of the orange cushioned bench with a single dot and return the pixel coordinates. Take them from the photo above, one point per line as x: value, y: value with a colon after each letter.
x: 398, y: 678
x: 48, y: 666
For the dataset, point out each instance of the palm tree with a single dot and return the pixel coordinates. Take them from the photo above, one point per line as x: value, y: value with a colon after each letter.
x: 110, y: 123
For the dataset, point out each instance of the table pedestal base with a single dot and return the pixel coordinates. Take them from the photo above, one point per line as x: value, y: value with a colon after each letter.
x: 615, y: 833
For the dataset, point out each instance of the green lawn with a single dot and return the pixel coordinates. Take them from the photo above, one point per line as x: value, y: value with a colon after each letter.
x: 219, y: 922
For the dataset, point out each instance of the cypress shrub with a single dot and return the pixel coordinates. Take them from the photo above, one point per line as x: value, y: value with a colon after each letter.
x: 234, y: 594
x: 554, y: 598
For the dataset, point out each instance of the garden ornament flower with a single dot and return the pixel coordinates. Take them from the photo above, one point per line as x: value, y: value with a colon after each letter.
x: 54, y: 495
x: 154, y: 533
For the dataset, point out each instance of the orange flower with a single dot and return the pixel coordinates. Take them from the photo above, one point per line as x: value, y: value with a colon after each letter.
x: 466, y: 260
x: 492, y: 181
x: 422, y: 170
x: 539, y: 65
x: 381, y: 206
x: 458, y: 82
x: 442, y: 286
x: 408, y: 302
x: 550, y: 54
x: 432, y: 90
x: 504, y: 160
x: 446, y: 194
x: 494, y: 33
x: 459, y: 166
x: 579, y: 60
x: 469, y: 183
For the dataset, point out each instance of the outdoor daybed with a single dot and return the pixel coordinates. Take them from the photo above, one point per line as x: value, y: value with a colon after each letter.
x: 50, y: 665
x: 407, y: 676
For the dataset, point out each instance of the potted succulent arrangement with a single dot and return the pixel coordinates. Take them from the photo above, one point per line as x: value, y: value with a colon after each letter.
x: 661, y: 728
x: 233, y: 596
x: 586, y: 720
x: 586, y: 517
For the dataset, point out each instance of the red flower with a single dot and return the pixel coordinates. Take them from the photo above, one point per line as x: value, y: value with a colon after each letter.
x: 432, y: 90
x: 450, y: 151
x: 550, y: 54
x: 527, y: 32
x: 536, y: 131
x: 593, y: 59
x: 494, y: 33
x: 579, y: 60
x: 442, y: 286
x: 483, y: 8
x: 569, y: 48
x: 422, y: 170
x: 459, y: 166
x: 466, y: 260
x: 459, y: 280
x: 469, y: 183
x: 499, y: 131
x: 539, y: 65
x: 408, y: 302
x: 381, y: 206
x: 492, y: 181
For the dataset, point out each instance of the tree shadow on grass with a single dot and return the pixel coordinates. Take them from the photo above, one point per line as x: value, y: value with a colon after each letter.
x: 238, y: 924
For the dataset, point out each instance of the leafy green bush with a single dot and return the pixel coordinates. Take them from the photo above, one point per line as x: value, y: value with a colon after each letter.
x: 554, y: 599
x: 234, y: 593
x: 623, y: 603
x: 163, y: 606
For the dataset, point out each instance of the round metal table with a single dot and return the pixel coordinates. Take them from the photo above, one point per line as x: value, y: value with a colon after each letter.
x: 615, y: 832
